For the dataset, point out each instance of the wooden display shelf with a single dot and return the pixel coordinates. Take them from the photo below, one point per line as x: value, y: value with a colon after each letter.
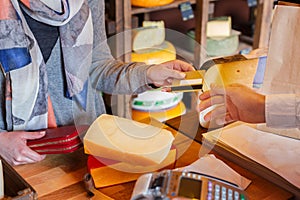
x: 122, y: 13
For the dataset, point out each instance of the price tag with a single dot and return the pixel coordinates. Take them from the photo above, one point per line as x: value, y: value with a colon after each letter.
x: 186, y: 11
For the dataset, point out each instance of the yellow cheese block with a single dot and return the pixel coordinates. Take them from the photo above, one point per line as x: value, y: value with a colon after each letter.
x: 127, y: 140
x: 150, y: 3
x: 155, y: 55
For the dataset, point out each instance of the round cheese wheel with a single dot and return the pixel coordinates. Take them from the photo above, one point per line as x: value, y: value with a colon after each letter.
x: 150, y: 3
x: 156, y: 55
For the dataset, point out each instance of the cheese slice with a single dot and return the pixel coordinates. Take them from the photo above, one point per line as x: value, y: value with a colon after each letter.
x: 1, y: 181
x: 155, y: 55
x: 127, y: 140
x: 150, y: 3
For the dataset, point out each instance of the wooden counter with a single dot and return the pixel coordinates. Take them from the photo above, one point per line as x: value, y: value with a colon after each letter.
x: 60, y: 176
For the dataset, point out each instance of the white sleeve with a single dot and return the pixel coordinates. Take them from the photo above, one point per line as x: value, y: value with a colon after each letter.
x: 283, y: 110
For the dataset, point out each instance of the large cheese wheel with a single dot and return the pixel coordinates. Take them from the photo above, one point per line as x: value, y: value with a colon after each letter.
x: 155, y: 55
x: 150, y: 3
x: 127, y: 140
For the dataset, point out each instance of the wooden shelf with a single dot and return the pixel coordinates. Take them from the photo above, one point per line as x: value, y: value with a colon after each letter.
x: 124, y: 12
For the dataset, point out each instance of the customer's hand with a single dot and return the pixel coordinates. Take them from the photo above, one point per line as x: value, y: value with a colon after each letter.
x: 163, y: 74
x: 235, y: 102
x: 14, y: 149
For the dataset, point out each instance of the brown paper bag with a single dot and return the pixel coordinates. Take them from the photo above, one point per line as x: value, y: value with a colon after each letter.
x: 282, y: 73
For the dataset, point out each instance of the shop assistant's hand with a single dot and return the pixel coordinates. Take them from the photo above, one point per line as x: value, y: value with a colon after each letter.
x: 14, y: 149
x: 235, y: 102
x: 163, y: 74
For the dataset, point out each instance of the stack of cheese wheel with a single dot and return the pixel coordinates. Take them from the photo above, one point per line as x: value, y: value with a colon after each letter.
x: 150, y: 3
x: 149, y: 46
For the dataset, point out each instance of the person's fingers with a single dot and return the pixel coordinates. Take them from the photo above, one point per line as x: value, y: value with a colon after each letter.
x: 34, y: 156
x: 22, y: 161
x: 33, y: 135
x: 179, y: 65
x: 166, y: 89
x: 26, y: 155
x: 217, y: 90
x: 218, y: 112
x: 169, y: 73
x: 215, y: 100
x: 204, y: 95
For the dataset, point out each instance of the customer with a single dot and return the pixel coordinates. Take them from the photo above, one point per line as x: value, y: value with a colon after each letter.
x: 238, y: 102
x: 55, y: 61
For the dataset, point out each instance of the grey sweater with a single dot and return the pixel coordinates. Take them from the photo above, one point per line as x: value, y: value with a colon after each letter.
x: 106, y: 75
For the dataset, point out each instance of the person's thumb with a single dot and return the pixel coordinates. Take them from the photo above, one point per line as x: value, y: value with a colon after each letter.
x: 34, y: 135
x: 174, y: 74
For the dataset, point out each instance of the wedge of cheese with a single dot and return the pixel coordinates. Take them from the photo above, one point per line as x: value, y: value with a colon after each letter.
x: 151, y: 34
x: 127, y: 140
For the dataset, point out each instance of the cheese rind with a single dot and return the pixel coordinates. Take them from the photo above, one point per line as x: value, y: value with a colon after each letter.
x: 128, y: 141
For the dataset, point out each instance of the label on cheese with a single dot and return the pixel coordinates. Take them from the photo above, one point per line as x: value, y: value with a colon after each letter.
x: 128, y: 141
